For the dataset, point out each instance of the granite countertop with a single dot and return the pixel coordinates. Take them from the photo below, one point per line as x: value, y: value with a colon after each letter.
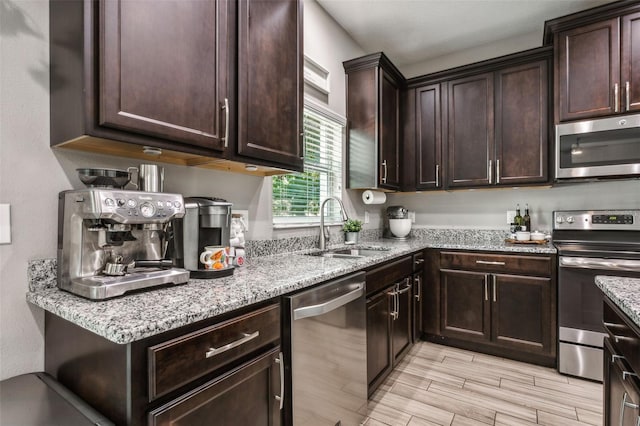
x: 137, y: 316
x: 624, y: 292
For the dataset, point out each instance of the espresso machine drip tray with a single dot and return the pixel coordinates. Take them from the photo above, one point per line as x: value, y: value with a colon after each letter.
x: 100, y: 287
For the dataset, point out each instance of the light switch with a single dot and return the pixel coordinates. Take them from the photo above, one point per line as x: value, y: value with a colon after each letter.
x: 5, y: 224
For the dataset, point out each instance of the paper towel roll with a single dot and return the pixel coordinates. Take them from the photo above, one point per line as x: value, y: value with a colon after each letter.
x: 374, y: 197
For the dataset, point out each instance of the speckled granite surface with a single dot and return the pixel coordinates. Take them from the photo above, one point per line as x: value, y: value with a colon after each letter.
x: 624, y: 292
x: 136, y: 316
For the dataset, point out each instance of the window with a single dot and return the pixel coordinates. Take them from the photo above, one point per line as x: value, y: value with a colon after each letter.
x: 297, y: 196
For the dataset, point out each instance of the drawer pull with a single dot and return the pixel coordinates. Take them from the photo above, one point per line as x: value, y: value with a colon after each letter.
x: 419, y: 261
x: 624, y: 405
x: 626, y: 374
x: 280, y: 397
x: 614, y: 357
x: 245, y: 338
x: 416, y: 282
x: 489, y: 262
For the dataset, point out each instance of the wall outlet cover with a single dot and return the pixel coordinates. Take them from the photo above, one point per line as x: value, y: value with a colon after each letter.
x: 5, y: 223
x: 412, y: 216
x: 242, y: 213
x: 511, y: 214
x: 366, y: 217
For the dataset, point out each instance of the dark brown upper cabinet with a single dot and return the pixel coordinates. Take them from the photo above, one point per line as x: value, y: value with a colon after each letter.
x: 470, y: 131
x: 161, y: 75
x: 479, y: 125
x: 428, y: 138
x: 204, y: 81
x: 270, y: 86
x: 596, y: 61
x: 373, y: 122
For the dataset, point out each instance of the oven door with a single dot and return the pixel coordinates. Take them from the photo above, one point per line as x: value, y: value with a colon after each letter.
x: 580, y: 301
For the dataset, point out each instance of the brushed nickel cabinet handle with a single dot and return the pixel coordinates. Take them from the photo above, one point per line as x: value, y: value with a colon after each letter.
x: 225, y: 107
x: 614, y: 357
x: 616, y: 97
x: 244, y: 339
x: 489, y: 262
x: 418, y: 285
x: 497, y: 171
x: 624, y: 405
x: 437, y: 175
x: 304, y: 147
x: 495, y: 297
x: 627, y: 87
x: 419, y: 262
x: 384, y: 166
x: 486, y: 287
x: 280, y: 397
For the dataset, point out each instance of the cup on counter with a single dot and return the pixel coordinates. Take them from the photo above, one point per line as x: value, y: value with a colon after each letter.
x: 215, y: 257
x: 523, y: 236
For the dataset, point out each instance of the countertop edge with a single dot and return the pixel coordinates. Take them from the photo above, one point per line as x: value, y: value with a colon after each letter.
x: 624, y: 292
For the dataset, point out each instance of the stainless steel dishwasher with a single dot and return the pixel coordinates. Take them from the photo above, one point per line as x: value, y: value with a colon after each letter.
x: 328, y: 353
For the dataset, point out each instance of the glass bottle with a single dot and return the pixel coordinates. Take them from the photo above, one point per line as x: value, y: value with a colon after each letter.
x: 518, y: 220
x: 527, y: 219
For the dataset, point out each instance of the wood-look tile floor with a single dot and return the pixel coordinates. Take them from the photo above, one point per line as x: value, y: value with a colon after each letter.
x: 440, y: 385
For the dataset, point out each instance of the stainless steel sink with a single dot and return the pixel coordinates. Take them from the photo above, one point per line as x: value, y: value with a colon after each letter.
x: 351, y: 253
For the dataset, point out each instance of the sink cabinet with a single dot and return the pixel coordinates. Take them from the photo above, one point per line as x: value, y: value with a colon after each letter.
x: 233, y: 92
x: 225, y: 368
x: 496, y: 303
x: 389, y: 318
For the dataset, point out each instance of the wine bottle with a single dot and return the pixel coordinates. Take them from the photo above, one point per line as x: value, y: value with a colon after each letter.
x: 518, y: 221
x: 527, y: 219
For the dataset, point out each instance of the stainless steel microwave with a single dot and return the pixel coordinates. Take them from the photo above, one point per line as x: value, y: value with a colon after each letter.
x: 606, y: 147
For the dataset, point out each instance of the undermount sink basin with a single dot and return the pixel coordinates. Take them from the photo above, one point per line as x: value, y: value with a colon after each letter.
x: 351, y: 253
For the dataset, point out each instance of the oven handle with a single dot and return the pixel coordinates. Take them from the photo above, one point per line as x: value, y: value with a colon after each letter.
x: 598, y: 263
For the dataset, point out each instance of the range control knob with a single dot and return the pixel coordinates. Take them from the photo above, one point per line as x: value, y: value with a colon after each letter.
x: 570, y: 219
x: 559, y: 219
x: 120, y: 202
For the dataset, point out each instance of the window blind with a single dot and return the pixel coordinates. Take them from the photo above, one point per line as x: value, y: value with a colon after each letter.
x: 297, y: 196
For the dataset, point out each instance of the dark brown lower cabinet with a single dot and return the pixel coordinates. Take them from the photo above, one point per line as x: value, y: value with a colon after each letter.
x: 494, y: 303
x: 224, y: 400
x: 621, y: 368
x: 389, y: 318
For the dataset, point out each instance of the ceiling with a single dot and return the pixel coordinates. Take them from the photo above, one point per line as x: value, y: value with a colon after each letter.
x: 414, y: 31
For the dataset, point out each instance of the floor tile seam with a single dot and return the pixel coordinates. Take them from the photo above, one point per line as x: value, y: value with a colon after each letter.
x: 573, y: 398
x: 526, y: 402
x: 540, y: 410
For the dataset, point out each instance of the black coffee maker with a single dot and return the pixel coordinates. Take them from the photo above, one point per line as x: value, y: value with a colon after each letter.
x: 206, y: 222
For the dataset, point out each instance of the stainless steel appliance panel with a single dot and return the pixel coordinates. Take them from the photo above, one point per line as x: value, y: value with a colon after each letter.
x: 581, y: 361
x: 598, y: 148
x: 328, y: 353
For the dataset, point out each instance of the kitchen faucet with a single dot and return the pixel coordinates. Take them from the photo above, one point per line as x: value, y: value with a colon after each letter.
x: 323, y: 235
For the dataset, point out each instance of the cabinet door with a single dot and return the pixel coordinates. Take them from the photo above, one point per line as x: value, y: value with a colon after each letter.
x: 521, y: 124
x: 521, y: 312
x: 621, y: 394
x: 470, y: 133
x: 244, y: 396
x: 163, y: 69
x: 630, y: 61
x: 379, y: 361
x: 588, y: 71
x: 429, y: 167
x: 465, y: 307
x: 402, y: 325
x: 389, y: 132
x: 270, y: 81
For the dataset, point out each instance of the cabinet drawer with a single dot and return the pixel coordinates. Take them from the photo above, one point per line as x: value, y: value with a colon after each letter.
x: 624, y: 336
x: 496, y: 263
x: 181, y: 360
x: 389, y: 273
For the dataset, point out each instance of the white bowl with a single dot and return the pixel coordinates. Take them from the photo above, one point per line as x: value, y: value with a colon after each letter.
x: 523, y: 235
x: 400, y: 227
x: 537, y: 236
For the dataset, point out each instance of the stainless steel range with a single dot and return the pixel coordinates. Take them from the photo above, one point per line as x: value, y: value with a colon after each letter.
x: 590, y: 243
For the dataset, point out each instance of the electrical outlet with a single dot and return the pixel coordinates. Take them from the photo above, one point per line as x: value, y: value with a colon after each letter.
x: 366, y: 217
x: 244, y: 214
x: 511, y: 214
x: 412, y: 216
x: 5, y: 224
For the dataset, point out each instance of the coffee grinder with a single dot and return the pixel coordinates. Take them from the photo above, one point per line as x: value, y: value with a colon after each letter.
x: 206, y: 222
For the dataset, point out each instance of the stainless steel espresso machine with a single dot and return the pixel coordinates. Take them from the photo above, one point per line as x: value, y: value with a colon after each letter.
x: 112, y: 241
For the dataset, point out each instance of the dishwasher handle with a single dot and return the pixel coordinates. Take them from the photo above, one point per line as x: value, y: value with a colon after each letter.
x: 330, y: 305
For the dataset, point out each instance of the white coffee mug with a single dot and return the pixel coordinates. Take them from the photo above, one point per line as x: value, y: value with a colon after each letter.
x: 214, y: 257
